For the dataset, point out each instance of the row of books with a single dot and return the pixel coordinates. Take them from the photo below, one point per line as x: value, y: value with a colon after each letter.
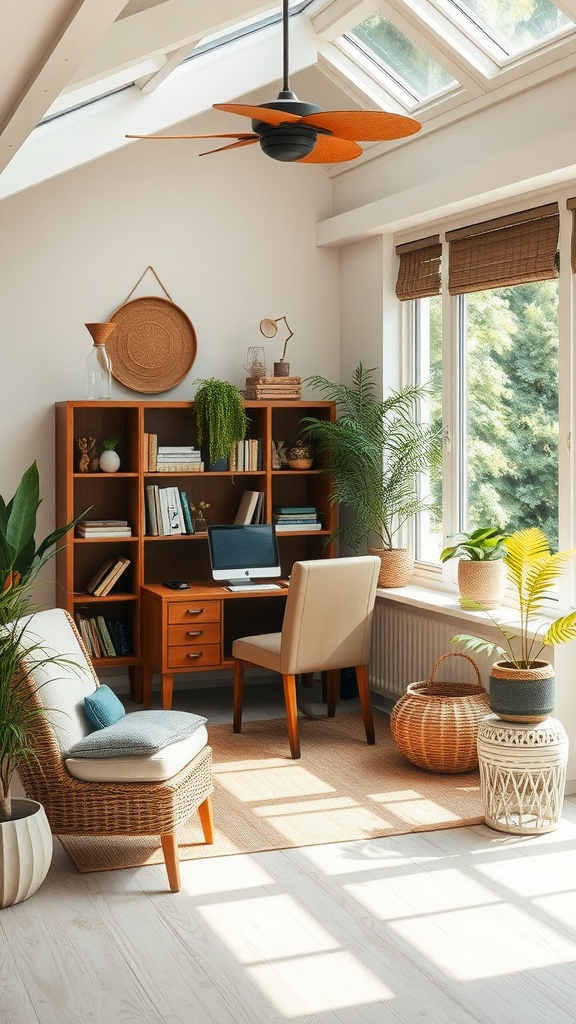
x: 295, y: 517
x: 95, y: 528
x: 103, y: 638
x: 250, y: 509
x: 168, y: 511
x: 246, y: 455
x: 167, y: 458
x: 107, y: 576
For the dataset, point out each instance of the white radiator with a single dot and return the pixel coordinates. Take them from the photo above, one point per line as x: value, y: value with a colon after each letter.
x: 405, y: 644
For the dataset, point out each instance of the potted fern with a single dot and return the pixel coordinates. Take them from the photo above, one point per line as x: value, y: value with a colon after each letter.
x: 25, y: 837
x: 481, y: 568
x: 522, y: 683
x: 374, y: 451
x: 221, y: 419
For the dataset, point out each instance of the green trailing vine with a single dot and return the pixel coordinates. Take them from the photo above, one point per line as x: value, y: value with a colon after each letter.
x: 220, y: 416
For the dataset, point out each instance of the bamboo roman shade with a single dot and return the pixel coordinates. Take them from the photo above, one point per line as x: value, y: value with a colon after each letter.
x: 571, y: 204
x: 506, y: 251
x: 419, y: 270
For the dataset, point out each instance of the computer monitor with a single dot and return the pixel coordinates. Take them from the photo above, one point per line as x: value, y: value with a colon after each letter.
x: 242, y: 554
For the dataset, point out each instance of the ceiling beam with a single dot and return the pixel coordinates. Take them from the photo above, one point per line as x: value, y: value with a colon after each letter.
x: 63, y: 48
x: 224, y: 76
x: 162, y: 29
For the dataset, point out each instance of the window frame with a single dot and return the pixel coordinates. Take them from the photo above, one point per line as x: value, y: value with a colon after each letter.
x: 443, y: 576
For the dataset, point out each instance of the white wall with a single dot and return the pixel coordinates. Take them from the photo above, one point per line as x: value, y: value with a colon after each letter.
x: 231, y: 237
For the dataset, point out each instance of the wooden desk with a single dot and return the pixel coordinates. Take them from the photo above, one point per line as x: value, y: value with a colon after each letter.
x: 192, y: 630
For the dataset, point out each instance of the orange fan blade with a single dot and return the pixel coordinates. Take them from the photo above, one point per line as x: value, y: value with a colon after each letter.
x: 330, y: 150
x: 249, y: 141
x: 364, y: 125
x: 267, y: 114
x: 228, y: 135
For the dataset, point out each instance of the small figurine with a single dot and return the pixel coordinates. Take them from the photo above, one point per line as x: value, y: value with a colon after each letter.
x: 89, y: 456
x: 279, y: 455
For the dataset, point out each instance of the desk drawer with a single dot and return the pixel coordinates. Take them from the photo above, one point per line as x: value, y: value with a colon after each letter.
x: 193, y: 657
x: 193, y: 611
x: 193, y: 634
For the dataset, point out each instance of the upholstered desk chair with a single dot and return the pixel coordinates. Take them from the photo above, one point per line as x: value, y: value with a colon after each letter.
x: 139, y: 776
x: 327, y: 626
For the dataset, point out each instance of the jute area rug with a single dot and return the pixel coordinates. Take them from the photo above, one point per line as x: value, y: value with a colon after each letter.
x: 341, y: 790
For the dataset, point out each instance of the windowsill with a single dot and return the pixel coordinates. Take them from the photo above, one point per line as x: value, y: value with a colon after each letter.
x: 446, y: 605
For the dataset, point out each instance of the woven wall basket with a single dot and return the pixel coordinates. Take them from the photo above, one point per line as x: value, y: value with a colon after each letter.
x: 435, y: 724
x: 153, y: 346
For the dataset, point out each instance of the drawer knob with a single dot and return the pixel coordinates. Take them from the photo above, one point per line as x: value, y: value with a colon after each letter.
x: 194, y: 611
x: 195, y: 632
x: 197, y: 654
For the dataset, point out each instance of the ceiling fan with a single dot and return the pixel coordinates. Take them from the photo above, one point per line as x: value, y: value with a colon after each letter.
x: 290, y: 130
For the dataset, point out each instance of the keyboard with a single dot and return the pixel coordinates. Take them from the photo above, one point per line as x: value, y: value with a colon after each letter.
x: 234, y: 587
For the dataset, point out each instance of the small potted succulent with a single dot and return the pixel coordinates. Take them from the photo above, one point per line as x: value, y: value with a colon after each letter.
x: 481, y: 568
x: 109, y: 461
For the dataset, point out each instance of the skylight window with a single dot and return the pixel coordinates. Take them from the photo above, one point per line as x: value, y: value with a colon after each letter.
x: 394, y: 55
x: 516, y: 25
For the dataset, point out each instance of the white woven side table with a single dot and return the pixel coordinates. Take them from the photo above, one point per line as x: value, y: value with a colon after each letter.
x: 522, y: 774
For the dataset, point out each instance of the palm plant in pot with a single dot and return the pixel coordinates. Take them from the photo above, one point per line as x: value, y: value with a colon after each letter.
x: 374, y: 451
x: 522, y: 684
x: 481, y: 568
x: 25, y: 837
x: 221, y: 418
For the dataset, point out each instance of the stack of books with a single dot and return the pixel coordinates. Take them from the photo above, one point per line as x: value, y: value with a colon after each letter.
x: 103, y: 637
x: 250, y: 509
x: 106, y: 577
x: 273, y: 388
x: 167, y: 511
x: 246, y: 455
x: 295, y: 518
x: 95, y: 528
x: 183, y: 458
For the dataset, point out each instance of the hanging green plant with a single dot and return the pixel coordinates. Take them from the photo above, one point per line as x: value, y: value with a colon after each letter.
x: 220, y: 416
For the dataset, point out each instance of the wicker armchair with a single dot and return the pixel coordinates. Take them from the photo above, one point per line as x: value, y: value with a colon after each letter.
x: 76, y: 807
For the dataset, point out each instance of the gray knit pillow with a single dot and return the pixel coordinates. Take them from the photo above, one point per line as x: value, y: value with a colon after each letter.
x: 140, y: 733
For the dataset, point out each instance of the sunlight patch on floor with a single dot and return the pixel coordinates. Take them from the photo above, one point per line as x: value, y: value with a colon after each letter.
x: 319, y: 984
x: 505, y: 939
x: 254, y: 784
x: 279, y: 924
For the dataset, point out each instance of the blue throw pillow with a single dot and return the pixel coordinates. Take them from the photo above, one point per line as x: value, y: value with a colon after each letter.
x: 103, y: 707
x: 141, y: 733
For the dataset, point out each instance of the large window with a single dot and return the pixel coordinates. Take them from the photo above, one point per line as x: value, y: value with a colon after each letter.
x: 493, y: 370
x: 509, y: 453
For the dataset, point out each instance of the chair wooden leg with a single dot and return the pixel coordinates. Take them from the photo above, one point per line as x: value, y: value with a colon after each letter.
x: 332, y: 691
x: 364, y: 693
x: 238, y: 694
x: 289, y: 684
x: 308, y: 679
x: 207, y: 820
x: 170, y: 849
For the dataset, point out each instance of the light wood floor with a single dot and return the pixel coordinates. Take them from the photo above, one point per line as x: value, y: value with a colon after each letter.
x: 455, y: 927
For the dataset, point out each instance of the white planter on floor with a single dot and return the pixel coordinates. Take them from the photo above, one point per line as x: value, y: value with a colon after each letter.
x: 25, y: 851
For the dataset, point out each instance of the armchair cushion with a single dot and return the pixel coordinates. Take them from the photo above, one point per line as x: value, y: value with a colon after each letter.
x: 103, y: 707
x: 138, y: 734
x: 158, y: 767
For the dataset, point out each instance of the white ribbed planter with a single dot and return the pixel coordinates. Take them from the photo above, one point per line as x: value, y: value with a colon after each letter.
x: 25, y: 851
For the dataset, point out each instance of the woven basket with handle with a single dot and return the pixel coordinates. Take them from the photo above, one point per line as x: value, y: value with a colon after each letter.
x: 435, y: 724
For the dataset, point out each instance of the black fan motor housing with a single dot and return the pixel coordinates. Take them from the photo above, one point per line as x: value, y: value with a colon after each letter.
x: 287, y: 142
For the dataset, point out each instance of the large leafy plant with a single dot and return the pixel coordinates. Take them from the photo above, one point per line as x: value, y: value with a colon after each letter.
x: 374, y: 451
x: 532, y: 570
x: 21, y: 559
